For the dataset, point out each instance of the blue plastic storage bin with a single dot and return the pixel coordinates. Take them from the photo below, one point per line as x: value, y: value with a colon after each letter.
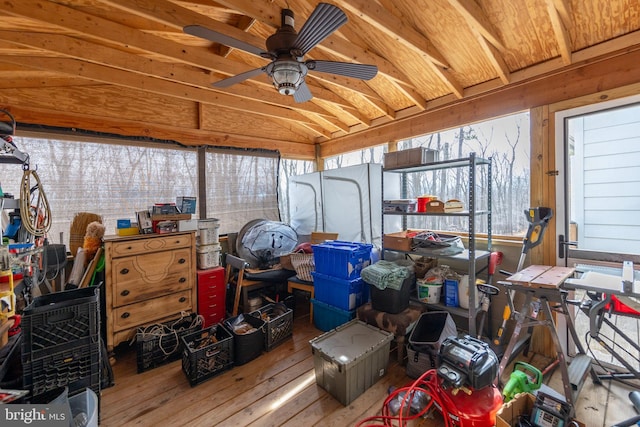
x: 344, y: 260
x: 327, y: 317
x: 346, y: 294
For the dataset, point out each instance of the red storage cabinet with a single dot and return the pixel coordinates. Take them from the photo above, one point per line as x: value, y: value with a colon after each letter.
x: 211, y: 295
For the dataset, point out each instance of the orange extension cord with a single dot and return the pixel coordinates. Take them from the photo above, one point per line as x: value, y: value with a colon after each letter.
x: 428, y: 384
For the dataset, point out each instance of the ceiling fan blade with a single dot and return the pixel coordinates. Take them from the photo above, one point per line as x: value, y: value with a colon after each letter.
x: 214, y: 36
x: 238, y: 78
x: 302, y: 94
x: 347, y: 69
x: 324, y: 20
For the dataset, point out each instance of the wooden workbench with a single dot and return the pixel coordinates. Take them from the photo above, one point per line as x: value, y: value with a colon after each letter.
x: 541, y: 276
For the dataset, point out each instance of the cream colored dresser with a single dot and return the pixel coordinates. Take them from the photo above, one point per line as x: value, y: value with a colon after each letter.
x: 149, y: 279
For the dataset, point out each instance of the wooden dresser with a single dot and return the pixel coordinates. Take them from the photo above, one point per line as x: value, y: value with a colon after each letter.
x: 148, y: 279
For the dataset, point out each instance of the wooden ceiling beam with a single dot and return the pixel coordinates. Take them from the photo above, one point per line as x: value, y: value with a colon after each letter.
x: 176, y: 16
x: 495, y: 58
x: 564, y: 9
x: 124, y: 79
x: 99, y: 54
x: 112, y: 33
x: 190, y: 137
x: 478, y: 21
x: 562, y: 35
x: 378, y: 17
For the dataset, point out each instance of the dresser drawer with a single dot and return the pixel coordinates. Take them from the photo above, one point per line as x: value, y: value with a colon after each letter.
x: 208, y: 294
x: 148, y: 311
x: 140, y: 277
x: 143, y: 246
x: 211, y: 279
x: 211, y: 318
x: 207, y: 305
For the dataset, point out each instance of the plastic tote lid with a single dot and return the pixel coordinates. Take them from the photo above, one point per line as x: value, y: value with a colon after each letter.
x: 348, y: 342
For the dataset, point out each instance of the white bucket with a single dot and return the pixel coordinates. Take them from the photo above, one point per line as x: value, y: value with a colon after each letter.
x: 429, y: 292
x: 208, y: 256
x: 208, y: 230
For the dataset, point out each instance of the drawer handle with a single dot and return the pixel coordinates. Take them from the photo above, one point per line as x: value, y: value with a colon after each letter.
x: 182, y: 299
x: 129, y: 248
x: 177, y: 242
x: 182, y: 279
x: 124, y: 271
x: 125, y: 315
x: 182, y: 261
x: 213, y: 305
x: 124, y: 293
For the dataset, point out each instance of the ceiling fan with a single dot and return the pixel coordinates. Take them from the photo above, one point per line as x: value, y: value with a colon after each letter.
x: 286, y: 49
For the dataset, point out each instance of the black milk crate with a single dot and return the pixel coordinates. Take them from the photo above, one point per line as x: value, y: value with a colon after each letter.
x: 60, y: 321
x: 160, y: 344
x: 246, y: 346
x: 279, y: 320
x: 76, y: 368
x: 206, y: 353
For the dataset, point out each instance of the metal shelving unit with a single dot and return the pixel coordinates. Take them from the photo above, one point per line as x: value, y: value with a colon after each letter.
x: 471, y: 255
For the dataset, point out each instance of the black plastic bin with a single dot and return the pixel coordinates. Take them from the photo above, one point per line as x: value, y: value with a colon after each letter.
x: 279, y: 322
x: 60, y: 321
x: 157, y: 345
x: 391, y: 300
x: 206, y: 353
x: 247, y: 346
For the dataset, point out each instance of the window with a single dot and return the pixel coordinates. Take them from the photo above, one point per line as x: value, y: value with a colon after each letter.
x: 602, y: 161
x: 368, y: 155
x: 506, y: 140
x: 241, y: 188
x: 109, y: 178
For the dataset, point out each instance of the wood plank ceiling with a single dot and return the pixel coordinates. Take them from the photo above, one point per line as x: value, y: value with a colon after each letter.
x: 126, y: 67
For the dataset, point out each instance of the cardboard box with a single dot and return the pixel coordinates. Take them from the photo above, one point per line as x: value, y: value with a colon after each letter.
x: 410, y: 157
x: 521, y: 404
x: 186, y: 204
x: 400, y: 241
x: 144, y: 222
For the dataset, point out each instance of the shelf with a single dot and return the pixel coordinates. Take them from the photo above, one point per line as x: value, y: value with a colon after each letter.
x: 464, y: 214
x: 472, y: 162
x: 462, y: 256
x: 445, y: 164
x: 456, y: 311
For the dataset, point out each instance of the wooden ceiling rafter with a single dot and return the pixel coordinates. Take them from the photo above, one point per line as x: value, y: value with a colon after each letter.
x: 488, y: 38
x: 478, y: 21
x: 559, y: 29
x: 124, y: 79
x: 378, y: 17
x: 103, y: 55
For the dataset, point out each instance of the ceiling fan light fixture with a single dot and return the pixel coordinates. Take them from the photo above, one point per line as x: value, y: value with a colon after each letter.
x: 287, y: 75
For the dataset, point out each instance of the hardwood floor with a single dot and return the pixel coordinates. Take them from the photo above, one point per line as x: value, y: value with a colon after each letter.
x: 279, y: 389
